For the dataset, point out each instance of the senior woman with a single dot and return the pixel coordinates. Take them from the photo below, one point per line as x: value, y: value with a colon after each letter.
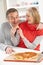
x: 30, y: 35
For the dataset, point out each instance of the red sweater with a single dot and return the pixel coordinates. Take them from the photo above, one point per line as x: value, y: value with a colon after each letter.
x: 30, y: 32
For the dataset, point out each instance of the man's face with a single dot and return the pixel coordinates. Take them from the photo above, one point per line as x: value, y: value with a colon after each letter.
x: 13, y: 18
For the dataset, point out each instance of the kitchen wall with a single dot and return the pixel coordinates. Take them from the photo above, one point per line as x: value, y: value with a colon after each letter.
x: 22, y: 6
x: 5, y: 4
x: 41, y: 9
x: 2, y: 11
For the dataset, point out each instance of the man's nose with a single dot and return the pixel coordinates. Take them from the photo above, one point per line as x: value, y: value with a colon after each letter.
x: 14, y: 19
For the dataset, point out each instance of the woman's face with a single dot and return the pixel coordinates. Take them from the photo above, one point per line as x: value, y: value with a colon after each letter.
x: 29, y: 17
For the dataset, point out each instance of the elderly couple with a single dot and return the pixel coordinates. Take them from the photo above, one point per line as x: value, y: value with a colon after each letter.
x: 27, y: 34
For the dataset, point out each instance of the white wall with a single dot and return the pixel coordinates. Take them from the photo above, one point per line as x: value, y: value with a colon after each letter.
x: 41, y: 9
x: 4, y: 6
x: 2, y: 11
x: 22, y: 6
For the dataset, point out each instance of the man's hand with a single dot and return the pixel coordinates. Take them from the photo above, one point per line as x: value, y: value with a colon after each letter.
x: 21, y: 33
x: 9, y: 50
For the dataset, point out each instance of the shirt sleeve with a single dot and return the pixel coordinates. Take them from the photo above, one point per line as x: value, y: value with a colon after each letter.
x: 15, y: 39
x: 33, y: 45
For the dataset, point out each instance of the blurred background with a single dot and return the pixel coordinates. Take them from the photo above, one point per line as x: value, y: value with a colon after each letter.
x: 21, y: 6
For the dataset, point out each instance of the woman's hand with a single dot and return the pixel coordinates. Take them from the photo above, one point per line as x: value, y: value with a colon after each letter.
x: 40, y: 26
x: 20, y: 33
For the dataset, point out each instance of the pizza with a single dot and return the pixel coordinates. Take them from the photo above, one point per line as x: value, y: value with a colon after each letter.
x: 23, y: 56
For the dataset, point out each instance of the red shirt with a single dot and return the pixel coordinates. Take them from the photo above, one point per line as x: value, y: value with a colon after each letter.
x: 30, y: 32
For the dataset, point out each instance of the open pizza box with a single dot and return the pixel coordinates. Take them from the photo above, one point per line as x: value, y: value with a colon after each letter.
x: 24, y: 57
